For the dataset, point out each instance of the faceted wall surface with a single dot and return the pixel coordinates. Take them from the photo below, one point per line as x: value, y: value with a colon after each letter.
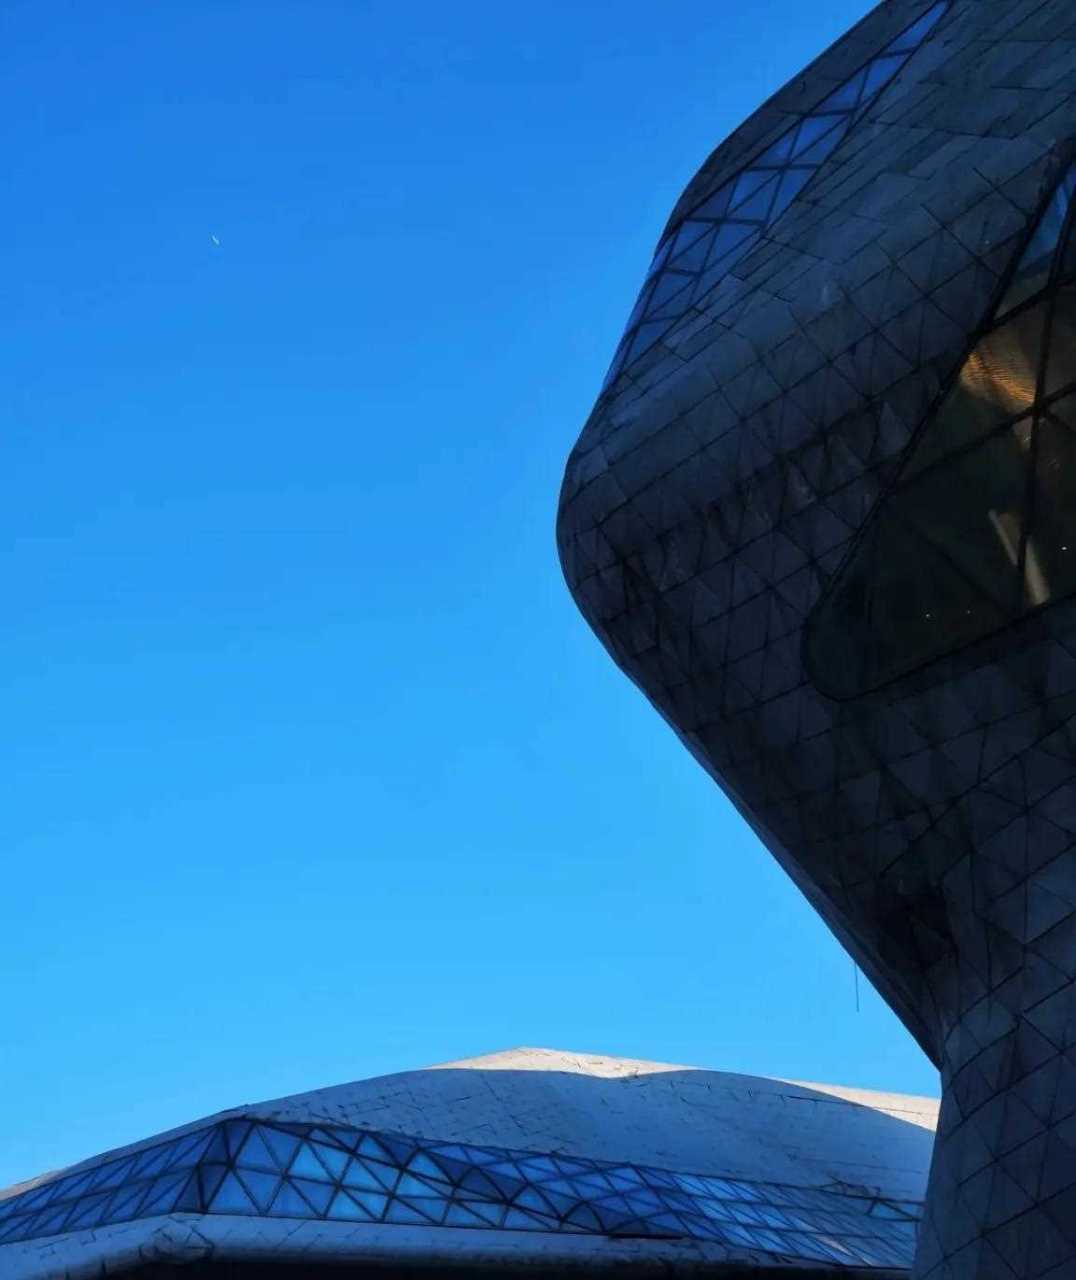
x: 823, y: 514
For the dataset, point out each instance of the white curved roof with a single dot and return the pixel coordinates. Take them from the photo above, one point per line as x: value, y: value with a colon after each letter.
x: 862, y: 1145
x: 679, y: 1117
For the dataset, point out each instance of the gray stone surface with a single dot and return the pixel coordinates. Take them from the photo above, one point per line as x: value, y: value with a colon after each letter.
x: 723, y: 490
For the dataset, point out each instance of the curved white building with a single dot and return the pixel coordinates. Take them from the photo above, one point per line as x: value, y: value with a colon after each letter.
x: 530, y: 1162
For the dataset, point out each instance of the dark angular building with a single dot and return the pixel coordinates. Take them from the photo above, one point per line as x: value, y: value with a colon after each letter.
x: 824, y: 515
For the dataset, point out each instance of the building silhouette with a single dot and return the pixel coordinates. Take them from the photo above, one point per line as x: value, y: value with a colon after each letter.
x: 823, y: 514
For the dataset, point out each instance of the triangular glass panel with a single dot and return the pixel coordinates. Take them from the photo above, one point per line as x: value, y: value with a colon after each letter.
x: 217, y: 1149
x: 689, y: 232
x: 641, y: 303
x: 669, y: 286
x: 111, y: 1174
x: 824, y: 146
x: 358, y: 1175
x: 778, y: 152
x: 371, y: 1201
x: 529, y: 1198
x: 747, y: 184
x: 914, y: 35
x: 399, y: 1149
x: 459, y: 1215
x: 88, y: 1212
x: 387, y: 1175
x: 731, y: 236
x: 716, y: 206
x: 645, y: 337
x: 948, y: 564
x: 126, y: 1202
x: 334, y: 1160
x: 152, y: 1161
x: 231, y: 1197
x: 813, y: 128
x: 235, y: 1132
x: 675, y: 308
x: 307, y: 1165
x: 757, y: 206
x: 881, y: 71
x: 52, y: 1222
x: 846, y: 96
x: 40, y: 1196
x: 165, y: 1192
x: 260, y: 1185
x: 792, y: 183
x: 421, y: 1163
x: 693, y: 258
x: 346, y: 1209
x: 491, y: 1213
x: 659, y: 257
x: 1033, y: 270
x: 256, y: 1155
x: 317, y: 1193
x: 462, y: 1154
x: 518, y: 1220
x: 189, y: 1199
x: 282, y: 1145
x: 288, y: 1203
x: 476, y: 1183
x: 209, y: 1178
x: 409, y: 1185
x: 335, y: 1139
x: 369, y: 1146
x: 400, y: 1211
x: 189, y: 1150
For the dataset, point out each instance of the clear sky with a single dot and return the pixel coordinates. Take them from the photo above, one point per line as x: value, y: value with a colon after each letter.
x: 312, y: 770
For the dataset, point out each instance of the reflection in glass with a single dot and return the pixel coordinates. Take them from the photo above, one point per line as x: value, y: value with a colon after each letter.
x: 981, y: 527
x: 722, y: 229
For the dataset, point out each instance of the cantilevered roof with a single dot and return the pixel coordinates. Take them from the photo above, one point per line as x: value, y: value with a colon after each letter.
x: 524, y: 1159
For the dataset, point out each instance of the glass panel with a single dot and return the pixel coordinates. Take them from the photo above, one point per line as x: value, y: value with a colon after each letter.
x: 747, y: 184
x: 881, y: 71
x: 282, y: 1145
x: 288, y: 1203
x: 232, y: 1198
x: 256, y: 1155
x: 943, y: 566
x: 757, y: 207
x: 1033, y: 271
x: 333, y: 1160
x: 694, y: 258
x: 813, y: 128
x: 317, y: 1193
x: 1003, y: 369
x: 792, y: 183
x: 917, y: 32
x: 260, y: 1186
x: 846, y: 97
x: 308, y: 1166
x: 347, y: 1209
x: 816, y: 153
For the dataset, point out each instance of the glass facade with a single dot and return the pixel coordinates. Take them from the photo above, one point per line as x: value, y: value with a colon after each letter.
x: 724, y: 227
x: 981, y: 526
x: 270, y: 1169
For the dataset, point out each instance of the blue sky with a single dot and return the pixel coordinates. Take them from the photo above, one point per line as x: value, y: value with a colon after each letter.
x: 313, y: 770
